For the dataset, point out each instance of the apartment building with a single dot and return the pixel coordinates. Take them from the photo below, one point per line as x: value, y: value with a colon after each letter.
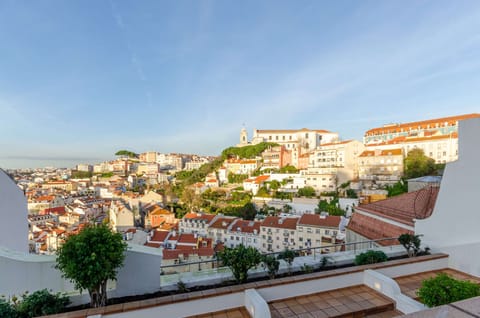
x: 219, y: 228
x: 314, y: 230
x: 241, y: 166
x: 278, y: 234
x: 381, y: 166
x: 307, y: 139
x: 437, y: 137
x: 243, y: 232
x: 196, y: 223
x: 120, y: 216
x: 276, y: 157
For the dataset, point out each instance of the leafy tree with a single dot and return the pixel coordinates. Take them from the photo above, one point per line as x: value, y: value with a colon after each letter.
x: 246, y: 152
x: 240, y: 259
x: 263, y: 192
x: 236, y: 178
x: 370, y: 257
x: 411, y: 243
x: 288, y: 256
x: 90, y: 258
x: 330, y: 207
x: 272, y: 265
x: 126, y: 153
x: 444, y: 289
x: 351, y: 194
x: 288, y: 169
x: 192, y: 200
x: 308, y: 192
x: 274, y: 185
x: 397, y: 188
x: 417, y: 164
x: 81, y: 174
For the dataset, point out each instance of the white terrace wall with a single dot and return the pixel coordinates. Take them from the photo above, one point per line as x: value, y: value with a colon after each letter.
x: 453, y: 227
x: 13, y: 214
x: 22, y: 272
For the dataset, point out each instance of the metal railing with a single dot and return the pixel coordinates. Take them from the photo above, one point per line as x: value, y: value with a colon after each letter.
x: 215, y: 263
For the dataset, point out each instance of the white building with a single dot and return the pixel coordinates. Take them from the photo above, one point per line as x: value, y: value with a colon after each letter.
x: 308, y: 139
x: 243, y: 232
x: 278, y: 233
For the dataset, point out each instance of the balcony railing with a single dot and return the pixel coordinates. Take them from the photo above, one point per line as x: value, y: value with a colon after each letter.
x: 172, y: 273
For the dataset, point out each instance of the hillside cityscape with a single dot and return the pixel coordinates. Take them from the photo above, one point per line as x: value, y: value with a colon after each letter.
x: 276, y: 181
x: 239, y: 159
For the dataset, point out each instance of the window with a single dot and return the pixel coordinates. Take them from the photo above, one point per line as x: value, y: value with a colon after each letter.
x: 317, y: 231
x: 269, y: 137
x: 327, y: 232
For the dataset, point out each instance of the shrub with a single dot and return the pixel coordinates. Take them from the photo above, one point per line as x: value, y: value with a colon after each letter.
x: 41, y: 303
x: 6, y: 309
x: 444, y: 289
x: 370, y: 257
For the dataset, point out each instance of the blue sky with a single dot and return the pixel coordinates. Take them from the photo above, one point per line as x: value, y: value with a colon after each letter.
x: 81, y: 79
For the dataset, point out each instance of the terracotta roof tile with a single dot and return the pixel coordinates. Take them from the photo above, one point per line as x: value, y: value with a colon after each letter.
x: 278, y: 222
x: 317, y: 220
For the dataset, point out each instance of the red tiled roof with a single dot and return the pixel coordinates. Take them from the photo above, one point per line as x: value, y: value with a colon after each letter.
x: 413, y: 139
x: 261, y: 179
x: 187, y: 238
x: 423, y: 123
x: 150, y: 244
x: 317, y: 220
x: 374, y: 229
x: 199, y: 216
x: 222, y: 223
x: 406, y: 207
x: 284, y: 223
x: 246, y: 226
x: 159, y: 236
x: 336, y: 143
x: 383, y: 152
x: 58, y: 210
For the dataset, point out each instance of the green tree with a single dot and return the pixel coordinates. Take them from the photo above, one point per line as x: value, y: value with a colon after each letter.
x: 351, y: 194
x: 274, y: 185
x: 417, y: 164
x: 288, y: 169
x: 240, y: 259
x: 126, y: 153
x: 272, y: 265
x: 91, y: 258
x: 263, y: 192
x: 81, y: 174
x: 308, y: 192
x: 288, y: 256
x: 246, y: 152
x: 411, y: 243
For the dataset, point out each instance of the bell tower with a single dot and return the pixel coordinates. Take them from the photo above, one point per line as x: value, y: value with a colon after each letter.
x: 243, y: 137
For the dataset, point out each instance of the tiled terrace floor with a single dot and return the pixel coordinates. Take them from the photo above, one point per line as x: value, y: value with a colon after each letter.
x: 356, y: 301
x: 410, y: 284
x: 232, y: 313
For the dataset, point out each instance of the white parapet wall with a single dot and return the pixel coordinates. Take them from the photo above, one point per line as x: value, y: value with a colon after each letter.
x: 388, y: 287
x: 453, y: 226
x: 13, y: 211
x: 21, y: 272
x: 256, y: 305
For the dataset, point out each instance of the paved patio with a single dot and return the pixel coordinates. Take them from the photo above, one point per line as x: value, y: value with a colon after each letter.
x: 356, y: 301
x: 232, y: 313
x: 411, y: 283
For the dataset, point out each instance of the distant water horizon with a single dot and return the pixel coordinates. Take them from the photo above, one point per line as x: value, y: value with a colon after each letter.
x: 34, y: 163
